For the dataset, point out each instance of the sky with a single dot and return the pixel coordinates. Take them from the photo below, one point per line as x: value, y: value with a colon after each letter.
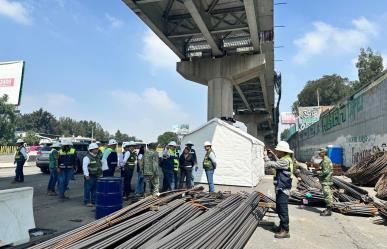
x: 95, y: 59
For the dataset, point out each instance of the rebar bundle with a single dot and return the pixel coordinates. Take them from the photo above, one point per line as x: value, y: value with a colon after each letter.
x: 355, y: 208
x: 178, y: 219
x: 368, y: 171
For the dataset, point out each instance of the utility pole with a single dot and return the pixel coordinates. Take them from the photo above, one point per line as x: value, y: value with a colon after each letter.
x: 318, y: 98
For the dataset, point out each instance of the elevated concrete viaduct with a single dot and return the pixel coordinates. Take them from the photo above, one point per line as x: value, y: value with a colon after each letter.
x: 226, y: 45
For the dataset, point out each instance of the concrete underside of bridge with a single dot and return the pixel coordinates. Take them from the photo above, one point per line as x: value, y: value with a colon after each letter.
x: 226, y: 45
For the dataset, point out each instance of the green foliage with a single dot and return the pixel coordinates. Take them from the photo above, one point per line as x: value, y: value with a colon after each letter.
x: 284, y: 134
x: 122, y: 137
x: 167, y: 137
x: 331, y: 88
x: 39, y: 121
x: 8, y: 118
x: 31, y: 138
x: 369, y: 65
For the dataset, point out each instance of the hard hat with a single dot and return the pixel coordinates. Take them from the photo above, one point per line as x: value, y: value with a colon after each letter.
x: 131, y: 143
x: 92, y: 146
x: 124, y: 144
x: 20, y: 141
x: 323, y: 150
x: 112, y: 142
x: 189, y: 143
x: 56, y: 145
x: 172, y: 143
x: 207, y: 143
x: 98, y: 142
x: 66, y: 142
x: 284, y: 147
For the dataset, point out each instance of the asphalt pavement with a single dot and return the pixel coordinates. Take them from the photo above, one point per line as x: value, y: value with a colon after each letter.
x: 307, y: 228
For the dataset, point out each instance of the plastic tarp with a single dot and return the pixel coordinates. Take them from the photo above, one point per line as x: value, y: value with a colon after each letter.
x: 239, y: 155
x: 16, y: 215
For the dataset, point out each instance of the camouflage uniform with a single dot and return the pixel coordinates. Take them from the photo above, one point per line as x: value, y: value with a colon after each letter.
x: 326, y: 179
x: 151, y: 172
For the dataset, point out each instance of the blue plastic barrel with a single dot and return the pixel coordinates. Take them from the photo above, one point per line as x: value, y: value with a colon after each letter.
x: 335, y: 153
x: 108, y: 196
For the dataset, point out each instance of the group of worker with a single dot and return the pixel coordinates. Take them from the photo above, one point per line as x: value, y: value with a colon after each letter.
x: 282, y: 161
x: 100, y: 161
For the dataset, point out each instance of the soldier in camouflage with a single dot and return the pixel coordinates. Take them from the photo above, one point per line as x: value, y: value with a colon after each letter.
x: 151, y: 170
x: 325, y: 177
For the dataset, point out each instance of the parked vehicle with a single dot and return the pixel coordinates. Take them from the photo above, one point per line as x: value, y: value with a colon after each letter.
x: 42, y: 159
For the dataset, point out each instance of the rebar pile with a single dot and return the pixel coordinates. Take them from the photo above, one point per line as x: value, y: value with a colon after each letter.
x: 355, y: 208
x: 381, y: 186
x: 178, y: 219
x: 369, y: 170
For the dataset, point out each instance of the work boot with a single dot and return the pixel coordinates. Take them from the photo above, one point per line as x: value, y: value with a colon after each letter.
x: 282, y: 235
x: 326, y: 212
x: 89, y: 205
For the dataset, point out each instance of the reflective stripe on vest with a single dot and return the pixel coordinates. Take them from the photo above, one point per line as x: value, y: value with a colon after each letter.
x: 95, y: 165
x: 131, y: 162
x: 207, y: 163
x: 175, y: 158
x: 18, y: 155
x: 63, y: 153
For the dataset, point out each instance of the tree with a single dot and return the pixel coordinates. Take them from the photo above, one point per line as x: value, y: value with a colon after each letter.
x: 331, y: 88
x: 8, y: 119
x: 31, y: 138
x: 369, y: 65
x: 39, y: 121
x: 284, y: 134
x: 167, y: 137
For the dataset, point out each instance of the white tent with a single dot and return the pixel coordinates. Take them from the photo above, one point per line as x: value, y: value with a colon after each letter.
x: 239, y: 155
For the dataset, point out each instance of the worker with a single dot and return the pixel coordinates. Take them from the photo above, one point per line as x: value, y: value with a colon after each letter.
x: 151, y: 170
x: 101, y: 149
x: 325, y: 178
x: 128, y: 164
x: 66, y: 164
x: 140, y: 172
x: 282, y: 162
x: 21, y: 157
x: 92, y: 170
x: 187, y: 163
x: 110, y: 159
x: 209, y: 165
x: 53, y: 157
x: 170, y: 166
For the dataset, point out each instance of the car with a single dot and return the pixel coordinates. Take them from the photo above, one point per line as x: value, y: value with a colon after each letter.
x: 42, y: 159
x: 81, y: 151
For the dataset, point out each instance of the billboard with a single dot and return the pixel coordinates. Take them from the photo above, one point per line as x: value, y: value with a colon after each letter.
x: 181, y: 129
x: 307, y: 116
x: 288, y: 118
x: 11, y: 80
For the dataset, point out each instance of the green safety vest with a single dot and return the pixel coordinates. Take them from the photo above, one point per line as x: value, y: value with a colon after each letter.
x: 53, y: 159
x: 131, y: 163
x: 290, y: 159
x: 175, y: 156
x: 95, y: 165
x: 207, y: 163
x: 18, y: 155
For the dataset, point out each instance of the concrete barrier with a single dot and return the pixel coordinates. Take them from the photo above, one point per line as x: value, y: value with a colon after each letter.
x: 16, y: 215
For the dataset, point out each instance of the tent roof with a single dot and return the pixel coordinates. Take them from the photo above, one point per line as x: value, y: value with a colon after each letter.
x: 230, y: 127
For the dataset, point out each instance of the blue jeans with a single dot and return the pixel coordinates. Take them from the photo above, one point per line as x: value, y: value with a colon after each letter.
x: 140, y: 183
x: 19, y: 176
x: 53, y: 180
x: 128, y: 173
x: 175, y: 181
x: 64, y: 178
x: 282, y: 200
x: 210, y: 180
x: 193, y: 171
x: 90, y: 188
x: 168, y: 182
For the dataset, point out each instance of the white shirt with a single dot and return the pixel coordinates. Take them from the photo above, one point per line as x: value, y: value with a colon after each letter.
x: 86, y: 162
x: 23, y: 151
x: 126, y: 157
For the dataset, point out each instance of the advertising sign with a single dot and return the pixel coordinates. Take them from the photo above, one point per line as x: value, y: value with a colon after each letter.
x: 288, y: 118
x: 11, y: 80
x: 307, y: 116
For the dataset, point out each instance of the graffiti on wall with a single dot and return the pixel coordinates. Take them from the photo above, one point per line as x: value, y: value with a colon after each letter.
x: 307, y: 116
x: 361, y: 147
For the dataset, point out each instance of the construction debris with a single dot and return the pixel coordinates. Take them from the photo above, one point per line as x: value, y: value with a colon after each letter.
x: 369, y: 170
x: 182, y: 219
x: 381, y: 186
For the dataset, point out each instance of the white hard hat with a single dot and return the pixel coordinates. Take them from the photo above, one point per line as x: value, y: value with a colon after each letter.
x: 20, y: 141
x: 172, y: 143
x: 92, y: 146
x: 284, y: 147
x: 67, y: 142
x: 124, y: 144
x: 56, y: 145
x: 98, y: 142
x: 189, y: 143
x: 112, y: 142
x: 207, y: 143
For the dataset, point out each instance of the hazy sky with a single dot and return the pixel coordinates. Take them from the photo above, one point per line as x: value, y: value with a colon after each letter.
x: 95, y: 60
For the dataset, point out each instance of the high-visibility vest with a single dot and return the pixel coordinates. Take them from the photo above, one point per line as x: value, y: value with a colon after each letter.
x: 95, y: 165
x: 175, y: 157
x: 283, y: 177
x: 207, y: 163
x: 18, y: 155
x: 70, y: 153
x: 131, y: 162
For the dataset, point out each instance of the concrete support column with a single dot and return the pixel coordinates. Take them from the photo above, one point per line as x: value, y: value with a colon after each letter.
x: 252, y: 129
x: 220, y: 98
